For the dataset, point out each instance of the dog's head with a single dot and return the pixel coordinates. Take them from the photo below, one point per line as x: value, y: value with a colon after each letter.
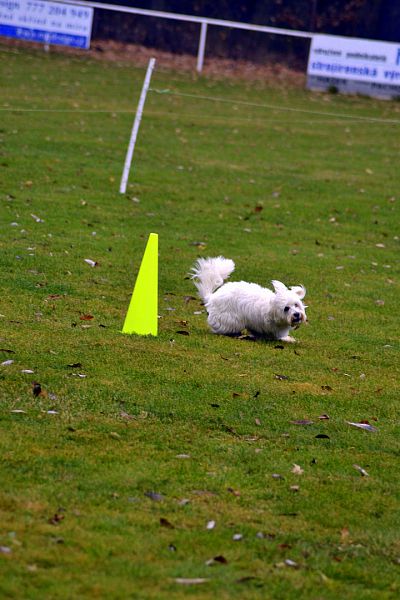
x: 289, y: 308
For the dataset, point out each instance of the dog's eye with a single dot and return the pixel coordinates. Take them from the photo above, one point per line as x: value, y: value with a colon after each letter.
x: 297, y: 305
x: 286, y: 309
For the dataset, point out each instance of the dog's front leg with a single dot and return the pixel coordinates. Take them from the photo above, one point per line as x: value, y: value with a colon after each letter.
x: 283, y: 336
x: 287, y: 338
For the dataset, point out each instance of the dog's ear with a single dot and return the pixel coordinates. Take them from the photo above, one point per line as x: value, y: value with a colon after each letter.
x: 300, y: 290
x: 279, y: 287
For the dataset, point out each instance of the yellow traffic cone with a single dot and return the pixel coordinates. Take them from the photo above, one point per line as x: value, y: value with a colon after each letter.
x: 141, y: 317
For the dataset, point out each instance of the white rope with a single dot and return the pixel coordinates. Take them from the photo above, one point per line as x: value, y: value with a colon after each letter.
x: 330, y: 115
x: 279, y: 108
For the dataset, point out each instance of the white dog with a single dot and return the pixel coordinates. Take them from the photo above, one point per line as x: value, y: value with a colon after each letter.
x: 235, y: 306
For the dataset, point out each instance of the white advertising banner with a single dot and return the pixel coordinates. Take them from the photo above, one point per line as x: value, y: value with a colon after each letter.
x: 46, y: 22
x: 354, y: 60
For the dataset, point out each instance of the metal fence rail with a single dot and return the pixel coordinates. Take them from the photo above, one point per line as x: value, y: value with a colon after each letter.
x: 204, y: 22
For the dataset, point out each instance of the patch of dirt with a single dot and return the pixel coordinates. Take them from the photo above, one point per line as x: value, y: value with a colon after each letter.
x: 272, y: 73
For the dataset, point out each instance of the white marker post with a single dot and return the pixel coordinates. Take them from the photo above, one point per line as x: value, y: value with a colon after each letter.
x: 202, y: 47
x: 135, y: 128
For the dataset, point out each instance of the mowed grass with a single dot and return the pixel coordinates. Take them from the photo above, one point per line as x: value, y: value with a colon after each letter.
x: 148, y: 439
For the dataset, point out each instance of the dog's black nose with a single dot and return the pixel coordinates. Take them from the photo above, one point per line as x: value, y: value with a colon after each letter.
x: 296, y: 316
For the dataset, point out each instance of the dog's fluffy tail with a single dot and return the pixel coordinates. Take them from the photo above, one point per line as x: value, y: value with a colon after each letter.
x: 208, y: 274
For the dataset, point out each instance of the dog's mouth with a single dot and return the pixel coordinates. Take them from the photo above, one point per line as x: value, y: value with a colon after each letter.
x: 298, y: 319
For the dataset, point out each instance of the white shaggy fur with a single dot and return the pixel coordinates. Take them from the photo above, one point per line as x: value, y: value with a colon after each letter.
x: 235, y: 306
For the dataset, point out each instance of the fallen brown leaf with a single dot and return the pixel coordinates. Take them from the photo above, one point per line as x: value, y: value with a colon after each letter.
x: 246, y: 578
x: 37, y: 389
x: 56, y: 519
x: 217, y: 560
x: 240, y: 395
x: 165, y: 523
x: 344, y: 534
x: 284, y: 546
x: 125, y: 415
x: 280, y: 377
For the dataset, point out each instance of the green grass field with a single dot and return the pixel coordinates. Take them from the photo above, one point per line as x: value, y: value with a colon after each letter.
x: 111, y: 476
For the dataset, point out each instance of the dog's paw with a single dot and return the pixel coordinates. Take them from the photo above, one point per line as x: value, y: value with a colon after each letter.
x: 288, y: 338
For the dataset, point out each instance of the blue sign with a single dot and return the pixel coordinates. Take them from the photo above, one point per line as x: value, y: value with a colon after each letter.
x: 46, y: 22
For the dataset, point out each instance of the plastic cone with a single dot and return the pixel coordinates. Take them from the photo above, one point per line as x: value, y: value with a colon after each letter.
x: 142, y: 317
